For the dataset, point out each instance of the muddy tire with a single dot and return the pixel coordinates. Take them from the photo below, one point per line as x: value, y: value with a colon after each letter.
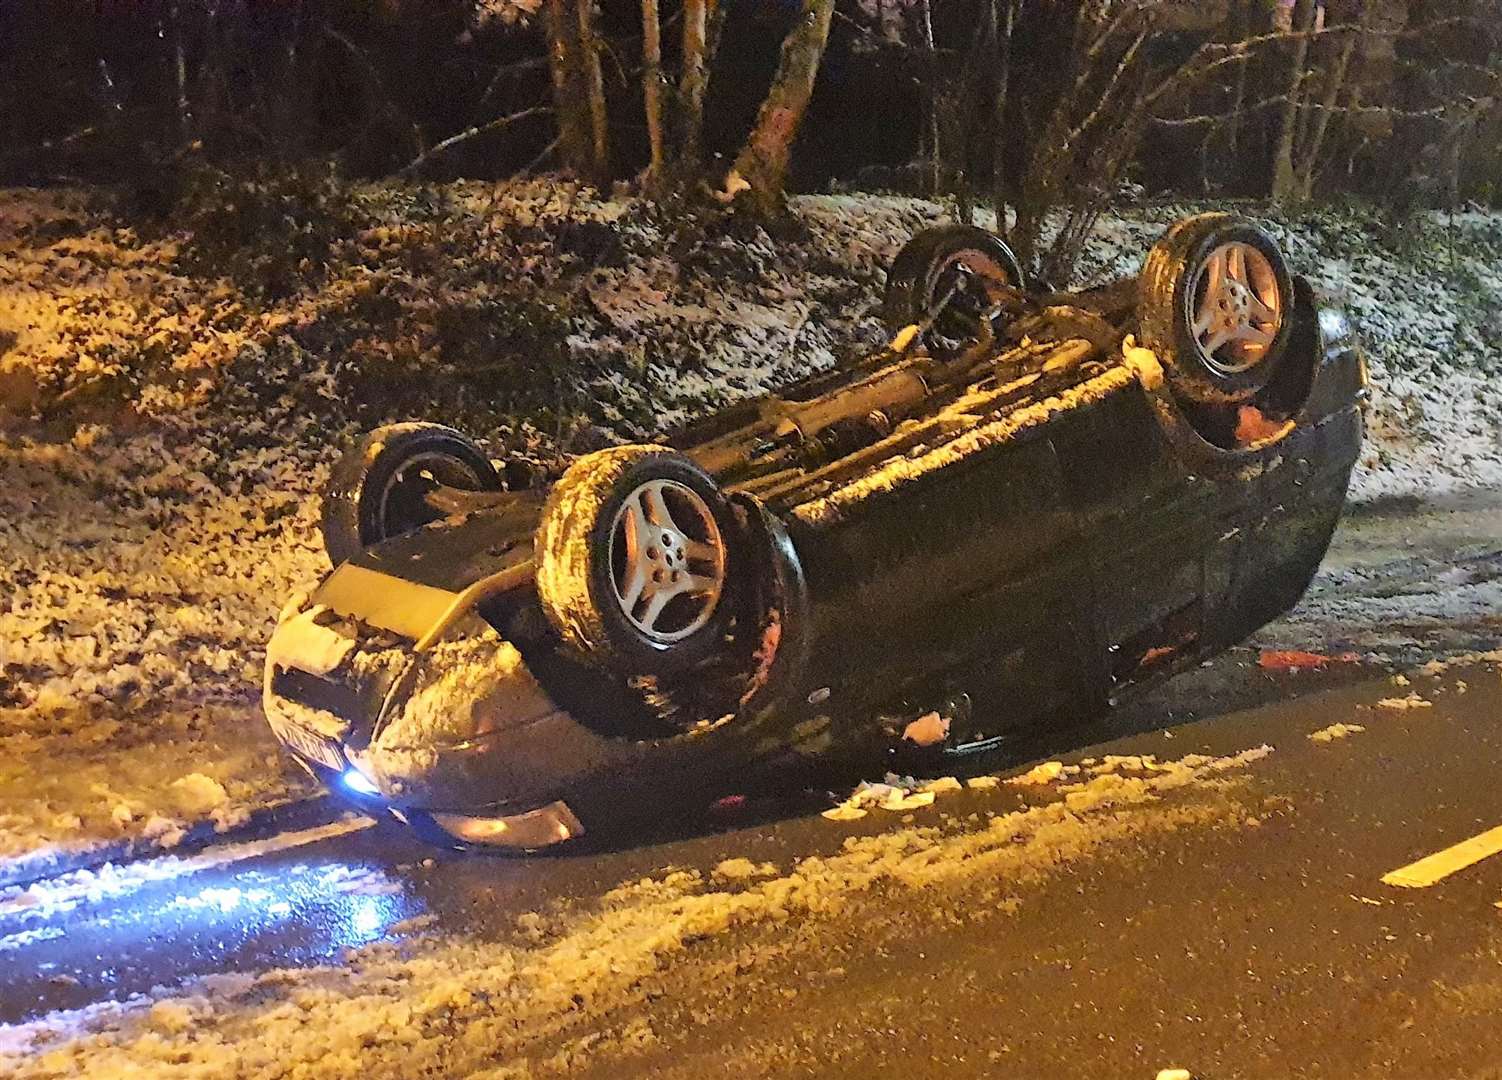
x: 636, y: 554
x: 1215, y: 302
x: 377, y: 489
x: 936, y: 260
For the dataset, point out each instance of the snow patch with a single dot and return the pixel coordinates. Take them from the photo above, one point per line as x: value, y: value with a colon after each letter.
x: 455, y: 1006
x: 1335, y: 731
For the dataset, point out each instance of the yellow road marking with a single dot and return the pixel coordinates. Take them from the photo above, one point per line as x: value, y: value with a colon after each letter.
x: 1440, y: 865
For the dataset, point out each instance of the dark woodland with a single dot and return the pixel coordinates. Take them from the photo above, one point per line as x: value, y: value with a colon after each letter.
x: 1028, y: 104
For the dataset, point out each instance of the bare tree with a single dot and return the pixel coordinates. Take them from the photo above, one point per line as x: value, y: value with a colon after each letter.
x: 651, y: 85
x: 578, y: 88
x: 1285, y: 180
x: 594, y: 89
x: 761, y: 166
x: 700, y: 36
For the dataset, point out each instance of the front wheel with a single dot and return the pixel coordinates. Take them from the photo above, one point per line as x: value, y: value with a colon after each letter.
x: 1215, y: 303
x: 636, y: 553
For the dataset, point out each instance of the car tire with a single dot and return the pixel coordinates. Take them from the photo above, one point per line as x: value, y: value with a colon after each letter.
x: 636, y: 553
x: 376, y: 490
x: 923, y: 270
x: 1215, y: 303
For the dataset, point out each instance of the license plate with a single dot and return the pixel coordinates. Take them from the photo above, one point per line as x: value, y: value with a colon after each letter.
x: 315, y: 748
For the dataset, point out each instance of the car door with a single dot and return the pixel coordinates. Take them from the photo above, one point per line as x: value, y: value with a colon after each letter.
x: 1147, y: 522
x: 972, y: 570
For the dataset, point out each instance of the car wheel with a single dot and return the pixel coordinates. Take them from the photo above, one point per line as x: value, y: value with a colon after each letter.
x: 1215, y: 303
x: 379, y: 487
x: 954, y: 274
x: 635, y: 554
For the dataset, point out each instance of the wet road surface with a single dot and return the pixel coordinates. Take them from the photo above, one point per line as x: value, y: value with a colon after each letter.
x: 1236, y: 924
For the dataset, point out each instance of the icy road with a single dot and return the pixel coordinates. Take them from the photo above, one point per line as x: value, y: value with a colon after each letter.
x: 1256, y: 872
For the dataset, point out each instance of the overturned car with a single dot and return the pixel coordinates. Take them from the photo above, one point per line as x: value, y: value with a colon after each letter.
x: 1027, y: 505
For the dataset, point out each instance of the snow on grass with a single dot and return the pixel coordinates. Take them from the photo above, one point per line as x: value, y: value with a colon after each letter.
x: 1426, y: 295
x: 560, y: 991
x: 1404, y: 585
x: 166, y: 431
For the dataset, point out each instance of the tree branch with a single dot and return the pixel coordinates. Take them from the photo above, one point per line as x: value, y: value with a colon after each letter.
x: 470, y: 133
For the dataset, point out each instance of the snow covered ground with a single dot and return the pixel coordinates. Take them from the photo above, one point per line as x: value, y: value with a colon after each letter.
x: 565, y: 986
x: 166, y: 429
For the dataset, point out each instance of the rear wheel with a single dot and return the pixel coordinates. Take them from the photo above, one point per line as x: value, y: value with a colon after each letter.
x: 636, y: 552
x: 380, y: 486
x: 954, y: 275
x: 1214, y: 302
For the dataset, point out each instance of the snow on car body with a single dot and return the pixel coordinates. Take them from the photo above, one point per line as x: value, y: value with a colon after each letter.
x: 1042, y: 520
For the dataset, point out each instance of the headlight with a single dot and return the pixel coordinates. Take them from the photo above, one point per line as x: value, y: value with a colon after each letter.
x: 359, y: 783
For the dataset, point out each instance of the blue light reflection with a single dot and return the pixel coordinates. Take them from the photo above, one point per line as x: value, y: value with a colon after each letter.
x: 359, y: 783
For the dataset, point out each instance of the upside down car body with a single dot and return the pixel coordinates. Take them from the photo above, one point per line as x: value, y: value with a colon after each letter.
x: 1036, y: 503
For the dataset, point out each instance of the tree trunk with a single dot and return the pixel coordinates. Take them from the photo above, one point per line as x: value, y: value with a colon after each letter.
x: 180, y: 75
x: 1285, y: 176
x: 761, y: 166
x: 1308, y: 166
x: 651, y: 86
x: 570, y: 106
x: 1000, y: 136
x: 931, y: 77
x: 594, y: 88
x: 693, y: 82
x: 1241, y: 29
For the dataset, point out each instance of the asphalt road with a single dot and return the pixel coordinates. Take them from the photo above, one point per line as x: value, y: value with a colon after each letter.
x: 1235, y: 926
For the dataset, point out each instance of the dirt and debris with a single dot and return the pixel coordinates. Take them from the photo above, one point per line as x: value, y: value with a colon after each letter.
x: 894, y: 794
